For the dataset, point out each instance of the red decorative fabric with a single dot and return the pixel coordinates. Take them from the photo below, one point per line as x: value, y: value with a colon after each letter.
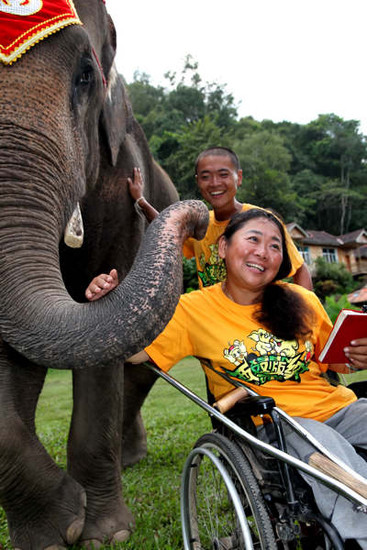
x: 23, y: 23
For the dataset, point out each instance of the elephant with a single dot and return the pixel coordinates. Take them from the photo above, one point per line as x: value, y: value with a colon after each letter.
x: 67, y: 136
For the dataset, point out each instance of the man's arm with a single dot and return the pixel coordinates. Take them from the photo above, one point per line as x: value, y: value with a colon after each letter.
x: 303, y: 278
x: 136, y: 188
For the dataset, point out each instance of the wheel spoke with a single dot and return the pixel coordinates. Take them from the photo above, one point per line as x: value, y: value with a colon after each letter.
x: 219, y: 497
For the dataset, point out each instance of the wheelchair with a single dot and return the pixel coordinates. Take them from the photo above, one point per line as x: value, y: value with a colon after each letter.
x: 239, y: 493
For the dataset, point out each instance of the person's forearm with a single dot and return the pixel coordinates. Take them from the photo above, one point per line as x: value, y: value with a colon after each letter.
x: 146, y: 208
x: 356, y: 352
x: 139, y: 357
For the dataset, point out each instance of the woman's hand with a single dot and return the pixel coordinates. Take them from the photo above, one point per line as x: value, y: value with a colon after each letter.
x: 102, y: 285
x: 357, y: 353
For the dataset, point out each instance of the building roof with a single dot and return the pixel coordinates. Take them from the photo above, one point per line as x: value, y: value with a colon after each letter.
x: 296, y: 231
x: 358, y: 296
x: 359, y: 236
x: 322, y: 238
x: 356, y: 238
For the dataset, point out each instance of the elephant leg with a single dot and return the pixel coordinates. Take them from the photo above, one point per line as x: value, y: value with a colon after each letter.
x: 94, y: 455
x: 138, y: 381
x: 44, y: 506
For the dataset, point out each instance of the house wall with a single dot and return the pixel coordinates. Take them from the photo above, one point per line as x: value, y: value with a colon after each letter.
x: 360, y: 264
x: 316, y: 252
x: 349, y: 258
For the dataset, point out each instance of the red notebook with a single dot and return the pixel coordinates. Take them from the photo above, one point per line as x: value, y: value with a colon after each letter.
x: 349, y: 325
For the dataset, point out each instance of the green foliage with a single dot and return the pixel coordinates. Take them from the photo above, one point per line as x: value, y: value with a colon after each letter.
x: 188, y: 142
x: 265, y: 163
x: 334, y: 304
x: 314, y: 174
x: 331, y: 278
x: 190, y: 278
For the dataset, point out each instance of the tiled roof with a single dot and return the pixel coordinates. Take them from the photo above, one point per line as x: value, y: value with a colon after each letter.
x: 349, y: 240
x: 322, y: 238
x: 359, y: 235
x: 358, y: 296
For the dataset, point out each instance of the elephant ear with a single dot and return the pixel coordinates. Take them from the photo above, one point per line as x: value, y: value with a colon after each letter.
x: 116, y: 114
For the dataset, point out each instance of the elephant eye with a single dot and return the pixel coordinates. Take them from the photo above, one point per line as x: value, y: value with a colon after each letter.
x: 86, y: 76
x: 84, y: 81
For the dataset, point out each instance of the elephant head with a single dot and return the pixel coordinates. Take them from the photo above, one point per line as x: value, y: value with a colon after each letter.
x: 57, y: 101
x: 68, y: 136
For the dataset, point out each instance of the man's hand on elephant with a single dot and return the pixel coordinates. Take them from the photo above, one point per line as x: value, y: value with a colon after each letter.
x: 102, y: 285
x: 136, y: 185
x: 357, y: 353
x: 136, y: 188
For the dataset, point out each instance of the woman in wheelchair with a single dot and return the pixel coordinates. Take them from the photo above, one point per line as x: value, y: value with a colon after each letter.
x: 268, y: 333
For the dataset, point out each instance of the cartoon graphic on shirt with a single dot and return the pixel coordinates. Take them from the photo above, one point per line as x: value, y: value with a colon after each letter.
x: 267, y: 343
x: 270, y: 359
x: 236, y: 353
x: 213, y: 270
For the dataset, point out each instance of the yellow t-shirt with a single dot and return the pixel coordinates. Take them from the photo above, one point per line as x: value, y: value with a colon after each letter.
x: 210, y: 267
x: 208, y: 324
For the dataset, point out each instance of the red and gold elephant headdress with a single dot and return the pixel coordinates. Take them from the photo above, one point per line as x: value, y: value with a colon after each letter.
x: 23, y: 23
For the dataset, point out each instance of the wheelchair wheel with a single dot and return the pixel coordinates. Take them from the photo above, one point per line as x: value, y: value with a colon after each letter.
x: 217, y: 514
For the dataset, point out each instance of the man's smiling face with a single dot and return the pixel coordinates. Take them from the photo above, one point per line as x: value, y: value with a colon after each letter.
x: 218, y: 180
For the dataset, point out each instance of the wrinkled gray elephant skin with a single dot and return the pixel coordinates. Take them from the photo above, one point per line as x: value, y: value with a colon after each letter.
x: 64, y: 138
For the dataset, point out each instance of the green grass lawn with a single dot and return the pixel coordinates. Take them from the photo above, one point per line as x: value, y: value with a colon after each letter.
x: 151, y: 488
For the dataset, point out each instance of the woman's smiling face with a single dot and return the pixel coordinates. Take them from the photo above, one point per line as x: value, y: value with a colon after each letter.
x: 253, y: 255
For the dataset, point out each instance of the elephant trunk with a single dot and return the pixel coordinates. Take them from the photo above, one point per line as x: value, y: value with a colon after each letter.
x: 42, y: 322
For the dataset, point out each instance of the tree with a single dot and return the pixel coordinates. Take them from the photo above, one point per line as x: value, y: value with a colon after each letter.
x: 314, y: 174
x: 185, y: 145
x: 331, y: 278
x: 265, y: 163
x: 338, y: 152
x: 306, y: 184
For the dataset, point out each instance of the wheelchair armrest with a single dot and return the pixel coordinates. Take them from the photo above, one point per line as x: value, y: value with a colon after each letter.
x: 240, y: 402
x: 243, y: 409
x: 255, y: 405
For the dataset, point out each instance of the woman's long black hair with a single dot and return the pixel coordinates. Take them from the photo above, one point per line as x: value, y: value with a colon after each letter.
x: 283, y: 311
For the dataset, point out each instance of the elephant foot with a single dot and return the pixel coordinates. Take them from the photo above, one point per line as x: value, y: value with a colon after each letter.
x: 107, y: 529
x: 134, y: 443
x: 120, y: 536
x: 55, y: 525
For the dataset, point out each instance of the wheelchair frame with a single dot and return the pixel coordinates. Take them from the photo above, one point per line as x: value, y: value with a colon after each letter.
x: 226, y: 464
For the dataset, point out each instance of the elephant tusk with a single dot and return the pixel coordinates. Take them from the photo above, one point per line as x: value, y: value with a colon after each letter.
x: 74, y: 230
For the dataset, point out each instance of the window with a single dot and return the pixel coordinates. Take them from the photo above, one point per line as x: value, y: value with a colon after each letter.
x: 305, y: 253
x: 329, y: 255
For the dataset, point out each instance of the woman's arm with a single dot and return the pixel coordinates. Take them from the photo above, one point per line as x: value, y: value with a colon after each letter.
x: 357, y: 356
x: 357, y: 353
x: 303, y: 277
x: 102, y: 285
x: 139, y: 357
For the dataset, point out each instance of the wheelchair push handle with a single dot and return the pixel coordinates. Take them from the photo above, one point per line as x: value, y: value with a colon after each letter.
x: 228, y: 401
x: 253, y: 405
